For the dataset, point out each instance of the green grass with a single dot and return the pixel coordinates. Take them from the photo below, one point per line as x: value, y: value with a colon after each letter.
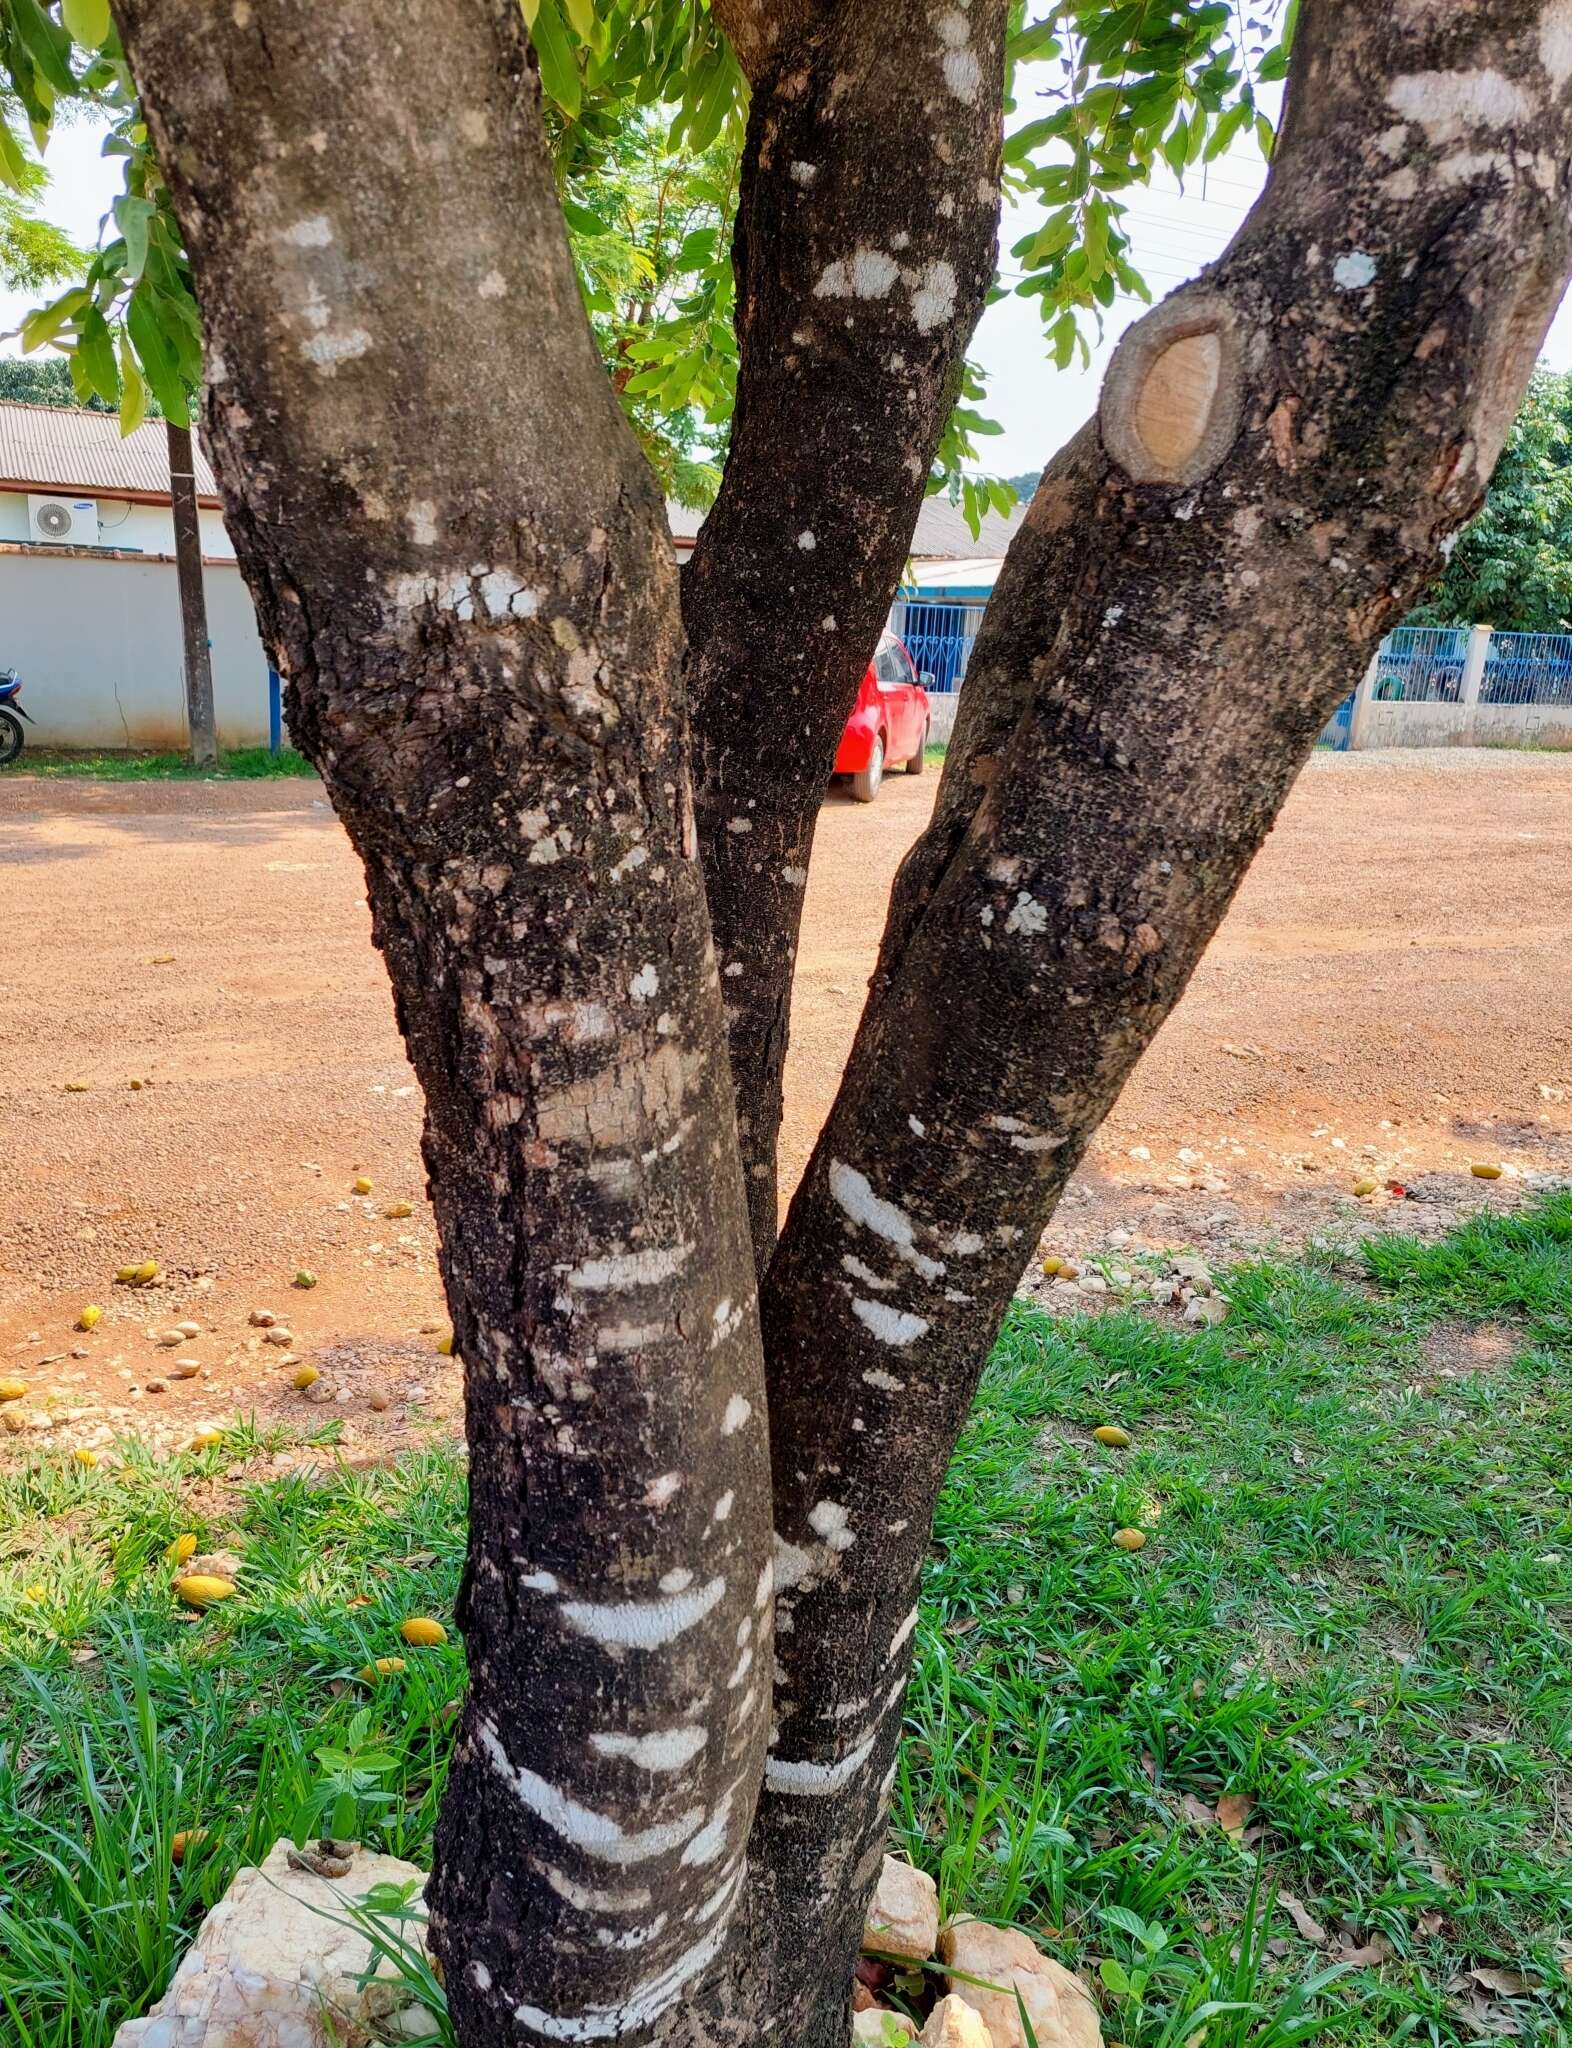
x: 240, y: 764
x: 1352, y: 1610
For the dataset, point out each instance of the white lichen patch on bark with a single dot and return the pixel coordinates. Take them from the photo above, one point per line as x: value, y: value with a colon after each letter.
x: 859, y: 1271
x: 633, y: 2014
x: 933, y: 296
x: 596, y: 1834
x: 738, y: 1410
x: 896, y: 1326
x: 865, y: 274
x: 817, y: 1781
x: 643, y: 1624
x: 854, y: 1195
x: 620, y: 1270
x: 670, y: 1749
x: 1449, y: 105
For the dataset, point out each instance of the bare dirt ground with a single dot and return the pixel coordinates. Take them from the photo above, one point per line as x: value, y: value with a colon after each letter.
x: 1387, y: 1000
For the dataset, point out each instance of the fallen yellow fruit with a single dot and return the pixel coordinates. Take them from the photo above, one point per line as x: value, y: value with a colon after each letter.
x: 12, y: 1390
x: 1110, y: 1433
x: 186, y: 1839
x: 138, y: 1275
x: 201, y: 1589
x: 205, y: 1439
x: 445, y: 1345
x: 162, y: 960
x: 76, y: 1087
x: 1129, y: 1539
x: 1481, y: 1171
x: 422, y: 1631
x: 304, y: 1278
x: 182, y: 1548
x: 85, y: 1457
x: 1053, y: 1265
x: 304, y: 1376
x: 1365, y: 1187
x: 91, y: 1317
x: 396, y: 1211
x: 362, y: 1184
x: 383, y: 1667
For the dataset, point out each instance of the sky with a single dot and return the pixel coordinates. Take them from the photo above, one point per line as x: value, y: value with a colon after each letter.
x: 1175, y: 234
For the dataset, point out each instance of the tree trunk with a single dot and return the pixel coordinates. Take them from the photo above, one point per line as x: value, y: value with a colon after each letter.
x: 462, y: 565
x: 198, y: 661
x: 1281, y: 449
x: 864, y: 246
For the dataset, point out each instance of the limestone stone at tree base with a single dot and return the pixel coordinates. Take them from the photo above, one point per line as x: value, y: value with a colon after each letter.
x: 1058, y: 2005
x: 870, y: 2031
x: 904, y: 1917
x: 955, y: 2024
x: 270, y: 1969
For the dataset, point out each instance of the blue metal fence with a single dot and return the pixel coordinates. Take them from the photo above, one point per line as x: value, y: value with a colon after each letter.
x: 938, y: 635
x: 1428, y: 665
x: 1528, y: 668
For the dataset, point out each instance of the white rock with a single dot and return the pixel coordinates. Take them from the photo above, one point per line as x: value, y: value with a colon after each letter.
x: 1092, y: 1283
x: 955, y: 2024
x: 1206, y: 1308
x: 904, y: 1917
x: 270, y: 1969
x: 868, y: 2026
x: 1058, y: 2005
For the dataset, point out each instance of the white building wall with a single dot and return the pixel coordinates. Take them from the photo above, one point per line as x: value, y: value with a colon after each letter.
x: 97, y: 643
x: 122, y: 523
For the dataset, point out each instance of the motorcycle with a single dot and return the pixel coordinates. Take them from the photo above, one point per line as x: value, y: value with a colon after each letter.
x: 11, y: 716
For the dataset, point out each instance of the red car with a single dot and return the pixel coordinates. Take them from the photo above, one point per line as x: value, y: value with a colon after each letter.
x: 889, y: 721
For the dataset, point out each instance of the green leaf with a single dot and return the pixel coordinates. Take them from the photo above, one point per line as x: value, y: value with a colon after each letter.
x: 145, y: 322
x: 43, y: 326
x: 13, y: 164
x: 87, y: 21
x: 95, y: 351
x: 45, y: 42
x: 581, y: 18
x: 133, y: 217
x: 133, y: 391
x: 559, y: 70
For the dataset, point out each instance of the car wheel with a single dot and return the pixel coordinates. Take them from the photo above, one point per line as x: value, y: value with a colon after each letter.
x: 865, y: 783
x: 918, y: 761
x: 10, y: 737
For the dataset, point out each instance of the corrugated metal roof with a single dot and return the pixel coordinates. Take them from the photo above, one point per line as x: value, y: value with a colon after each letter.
x: 67, y: 448
x: 942, y: 533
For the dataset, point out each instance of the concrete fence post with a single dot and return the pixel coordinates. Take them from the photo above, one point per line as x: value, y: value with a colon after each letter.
x: 1364, y: 697
x: 1473, y: 675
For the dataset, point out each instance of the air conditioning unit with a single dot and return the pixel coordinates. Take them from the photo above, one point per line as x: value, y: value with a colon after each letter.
x: 65, y: 522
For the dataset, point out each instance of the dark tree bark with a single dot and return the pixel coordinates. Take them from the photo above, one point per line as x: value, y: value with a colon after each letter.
x: 864, y: 246
x: 1281, y: 449
x: 198, y: 661
x: 462, y: 566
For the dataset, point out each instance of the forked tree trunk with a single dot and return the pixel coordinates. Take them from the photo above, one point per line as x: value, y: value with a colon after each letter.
x: 863, y: 249
x: 462, y: 564
x: 1280, y: 451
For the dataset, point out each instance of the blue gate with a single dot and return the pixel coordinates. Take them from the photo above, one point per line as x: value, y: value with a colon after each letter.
x: 1335, y: 732
x: 938, y: 636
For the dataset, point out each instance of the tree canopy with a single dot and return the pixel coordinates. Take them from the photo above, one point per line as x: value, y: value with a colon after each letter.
x: 646, y: 114
x: 1512, y: 568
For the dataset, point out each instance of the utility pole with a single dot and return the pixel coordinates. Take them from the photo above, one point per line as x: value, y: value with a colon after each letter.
x: 193, y: 605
